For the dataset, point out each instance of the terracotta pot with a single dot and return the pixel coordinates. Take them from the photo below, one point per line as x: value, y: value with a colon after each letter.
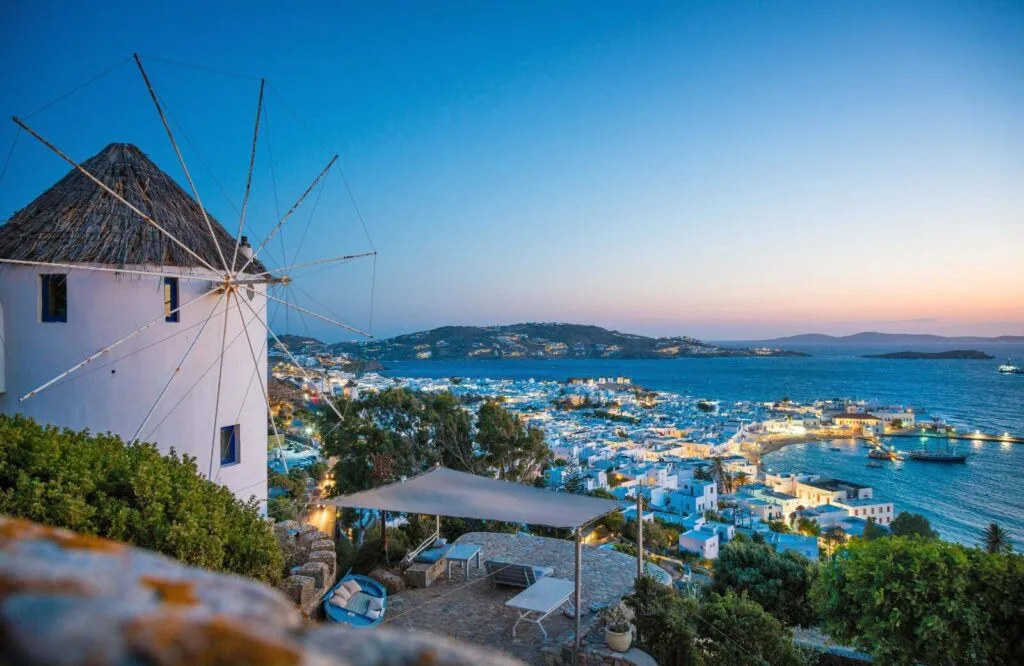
x: 618, y: 640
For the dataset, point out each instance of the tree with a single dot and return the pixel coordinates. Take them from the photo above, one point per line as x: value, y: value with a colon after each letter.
x: 705, y: 406
x: 726, y: 630
x: 658, y: 536
x: 740, y: 479
x: 508, y: 448
x: 318, y: 470
x: 738, y: 632
x: 996, y: 540
x: 665, y: 623
x: 721, y: 475
x: 808, y: 527
x: 912, y: 525
x: 701, y: 473
x: 283, y: 508
x: 572, y: 479
x: 614, y: 522
x: 832, y: 538
x: 908, y: 600
x: 780, y: 582
x: 97, y: 484
x: 872, y: 530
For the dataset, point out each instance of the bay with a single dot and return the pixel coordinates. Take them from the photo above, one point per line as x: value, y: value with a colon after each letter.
x: 960, y: 500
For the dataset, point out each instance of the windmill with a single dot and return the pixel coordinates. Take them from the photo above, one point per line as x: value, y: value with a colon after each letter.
x: 126, y: 307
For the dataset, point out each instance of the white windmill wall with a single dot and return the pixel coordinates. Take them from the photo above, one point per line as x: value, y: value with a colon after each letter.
x: 114, y: 392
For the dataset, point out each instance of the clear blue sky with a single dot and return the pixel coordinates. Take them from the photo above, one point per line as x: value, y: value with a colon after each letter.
x: 724, y: 170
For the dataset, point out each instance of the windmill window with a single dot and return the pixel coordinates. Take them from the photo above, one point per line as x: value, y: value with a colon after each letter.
x: 54, y: 302
x: 229, y: 451
x: 171, y: 299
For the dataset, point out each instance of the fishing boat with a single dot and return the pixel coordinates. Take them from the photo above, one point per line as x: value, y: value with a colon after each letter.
x: 874, y: 463
x: 835, y: 448
x: 357, y: 601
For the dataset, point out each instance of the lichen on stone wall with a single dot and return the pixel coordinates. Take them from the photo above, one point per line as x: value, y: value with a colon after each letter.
x: 109, y: 604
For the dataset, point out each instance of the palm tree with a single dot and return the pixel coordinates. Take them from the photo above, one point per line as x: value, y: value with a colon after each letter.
x: 996, y: 540
x: 740, y: 479
x: 728, y: 482
x: 718, y: 472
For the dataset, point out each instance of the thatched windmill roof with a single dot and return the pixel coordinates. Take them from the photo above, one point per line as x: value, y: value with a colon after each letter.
x: 76, y: 221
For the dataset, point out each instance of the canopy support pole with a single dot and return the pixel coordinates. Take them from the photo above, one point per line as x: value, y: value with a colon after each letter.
x: 639, y: 534
x: 578, y: 599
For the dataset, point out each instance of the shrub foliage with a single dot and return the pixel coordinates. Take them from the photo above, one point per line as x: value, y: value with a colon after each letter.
x: 96, y: 484
x: 910, y: 600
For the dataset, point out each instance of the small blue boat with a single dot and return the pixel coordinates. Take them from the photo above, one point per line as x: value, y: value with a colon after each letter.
x: 360, y: 608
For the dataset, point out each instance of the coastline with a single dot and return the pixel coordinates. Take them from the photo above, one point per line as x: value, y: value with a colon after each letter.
x: 772, y: 444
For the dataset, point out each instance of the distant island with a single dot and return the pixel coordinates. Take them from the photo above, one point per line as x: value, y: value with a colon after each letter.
x: 961, y: 354
x: 876, y: 338
x: 532, y: 341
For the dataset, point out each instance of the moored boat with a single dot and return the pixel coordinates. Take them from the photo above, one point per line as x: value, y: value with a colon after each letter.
x: 938, y: 456
x: 357, y: 601
x: 1010, y: 369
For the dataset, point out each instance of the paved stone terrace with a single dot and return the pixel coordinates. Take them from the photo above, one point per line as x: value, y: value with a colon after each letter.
x: 475, y: 613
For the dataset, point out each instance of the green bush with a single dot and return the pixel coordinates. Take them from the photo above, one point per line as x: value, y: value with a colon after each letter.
x: 96, y: 484
x: 345, y: 554
x: 911, y: 600
x: 717, y: 630
x: 665, y: 623
x: 283, y: 508
x: 780, y: 582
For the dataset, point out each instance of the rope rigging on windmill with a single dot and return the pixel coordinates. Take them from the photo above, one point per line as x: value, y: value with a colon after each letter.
x: 116, y: 295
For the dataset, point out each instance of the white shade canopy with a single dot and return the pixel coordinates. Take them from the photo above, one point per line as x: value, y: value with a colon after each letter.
x: 447, y: 492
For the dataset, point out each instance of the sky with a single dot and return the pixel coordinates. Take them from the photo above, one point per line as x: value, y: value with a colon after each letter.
x: 727, y: 170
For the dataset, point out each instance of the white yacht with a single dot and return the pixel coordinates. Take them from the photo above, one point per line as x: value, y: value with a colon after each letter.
x: 1010, y: 369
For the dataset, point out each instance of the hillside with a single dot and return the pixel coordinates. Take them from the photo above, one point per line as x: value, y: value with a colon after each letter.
x: 957, y: 354
x: 876, y: 338
x: 536, y: 340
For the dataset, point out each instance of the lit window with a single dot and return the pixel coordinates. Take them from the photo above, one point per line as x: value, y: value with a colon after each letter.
x: 54, y: 297
x: 229, y: 452
x: 170, y: 299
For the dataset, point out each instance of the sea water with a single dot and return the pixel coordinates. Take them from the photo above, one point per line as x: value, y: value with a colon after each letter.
x: 959, y: 500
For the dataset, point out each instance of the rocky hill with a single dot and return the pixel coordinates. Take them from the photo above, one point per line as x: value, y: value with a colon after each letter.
x: 962, y: 354
x: 537, y: 341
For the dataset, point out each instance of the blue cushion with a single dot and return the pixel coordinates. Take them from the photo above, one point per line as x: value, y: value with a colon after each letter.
x: 431, y: 555
x: 541, y: 572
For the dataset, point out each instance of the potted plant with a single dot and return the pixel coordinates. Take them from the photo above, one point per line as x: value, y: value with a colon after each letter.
x: 618, y: 632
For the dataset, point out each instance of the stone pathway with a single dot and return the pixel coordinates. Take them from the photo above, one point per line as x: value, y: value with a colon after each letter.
x: 473, y: 612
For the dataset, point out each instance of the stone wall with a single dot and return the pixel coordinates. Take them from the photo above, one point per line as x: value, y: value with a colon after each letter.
x: 312, y: 562
x: 594, y: 651
x: 77, y: 600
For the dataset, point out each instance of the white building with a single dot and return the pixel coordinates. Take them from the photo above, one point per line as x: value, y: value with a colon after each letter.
x: 704, y: 543
x: 110, y: 272
x: 880, y: 510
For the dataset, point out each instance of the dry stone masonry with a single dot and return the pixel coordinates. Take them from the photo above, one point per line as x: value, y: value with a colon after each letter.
x: 74, y: 600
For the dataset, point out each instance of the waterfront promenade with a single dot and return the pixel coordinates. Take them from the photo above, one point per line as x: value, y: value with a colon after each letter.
x: 772, y: 443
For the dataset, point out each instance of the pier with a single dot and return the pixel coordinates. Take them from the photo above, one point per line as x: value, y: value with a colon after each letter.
x: 970, y: 437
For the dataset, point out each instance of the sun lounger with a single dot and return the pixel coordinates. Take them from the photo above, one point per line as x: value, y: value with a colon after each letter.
x: 516, y: 575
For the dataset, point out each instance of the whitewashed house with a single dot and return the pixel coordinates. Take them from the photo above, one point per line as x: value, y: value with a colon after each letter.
x: 93, y: 273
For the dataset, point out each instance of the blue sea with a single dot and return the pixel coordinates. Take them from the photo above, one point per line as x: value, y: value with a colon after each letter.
x: 959, y: 500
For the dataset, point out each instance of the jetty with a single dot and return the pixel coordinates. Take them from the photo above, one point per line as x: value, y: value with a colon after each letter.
x: 970, y: 437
